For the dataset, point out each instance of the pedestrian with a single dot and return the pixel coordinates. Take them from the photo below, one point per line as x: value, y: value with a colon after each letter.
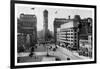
x: 32, y: 49
x: 31, y: 52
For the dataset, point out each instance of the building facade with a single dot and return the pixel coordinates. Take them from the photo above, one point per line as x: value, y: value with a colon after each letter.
x: 27, y: 28
x: 74, y: 32
x: 57, y: 24
x: 68, y: 34
x: 86, y: 33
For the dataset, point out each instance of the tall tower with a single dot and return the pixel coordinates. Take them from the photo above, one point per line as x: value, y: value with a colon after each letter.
x: 45, y: 25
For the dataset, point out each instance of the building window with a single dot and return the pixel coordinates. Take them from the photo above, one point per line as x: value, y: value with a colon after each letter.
x: 75, y: 33
x: 71, y: 30
x: 71, y: 33
x: 71, y: 43
x: 75, y: 30
x: 75, y: 40
x: 68, y: 30
x: 71, y: 37
x: 75, y: 43
x: 71, y: 40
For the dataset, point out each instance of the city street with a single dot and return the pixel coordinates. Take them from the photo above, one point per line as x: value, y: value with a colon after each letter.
x: 64, y: 54
x: 40, y: 54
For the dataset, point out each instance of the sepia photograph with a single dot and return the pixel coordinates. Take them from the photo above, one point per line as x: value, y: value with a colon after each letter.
x: 46, y: 34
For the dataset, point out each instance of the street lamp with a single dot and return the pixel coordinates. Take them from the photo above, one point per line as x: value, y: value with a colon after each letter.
x: 47, y: 51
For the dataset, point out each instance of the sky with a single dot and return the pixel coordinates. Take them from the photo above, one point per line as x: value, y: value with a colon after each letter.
x: 53, y: 12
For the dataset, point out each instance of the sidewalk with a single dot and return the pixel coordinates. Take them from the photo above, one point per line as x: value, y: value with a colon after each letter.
x: 40, y: 50
x: 35, y: 53
x: 58, y: 54
x: 48, y: 59
x: 72, y: 55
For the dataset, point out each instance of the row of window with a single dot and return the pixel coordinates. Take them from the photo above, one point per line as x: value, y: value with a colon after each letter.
x: 71, y: 33
x: 73, y: 44
x: 66, y: 37
x: 67, y: 33
x: 72, y: 40
x: 69, y: 30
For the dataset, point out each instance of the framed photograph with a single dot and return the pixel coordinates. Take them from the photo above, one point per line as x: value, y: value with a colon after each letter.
x: 52, y: 34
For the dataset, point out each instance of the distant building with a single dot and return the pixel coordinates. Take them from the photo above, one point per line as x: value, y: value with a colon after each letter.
x: 45, y: 25
x: 27, y: 25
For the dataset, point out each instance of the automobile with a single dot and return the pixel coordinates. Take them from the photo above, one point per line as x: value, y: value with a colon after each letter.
x: 50, y: 47
x: 74, y: 48
x: 68, y: 58
x: 80, y: 53
x: 68, y: 47
x: 57, y: 59
x: 85, y: 54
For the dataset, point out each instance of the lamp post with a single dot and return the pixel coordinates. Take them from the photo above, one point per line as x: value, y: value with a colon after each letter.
x: 47, y: 51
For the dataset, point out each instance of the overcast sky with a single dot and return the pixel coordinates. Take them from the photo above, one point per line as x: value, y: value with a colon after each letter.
x: 53, y: 12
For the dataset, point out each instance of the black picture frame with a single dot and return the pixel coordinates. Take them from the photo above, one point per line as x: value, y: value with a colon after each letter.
x: 12, y: 33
